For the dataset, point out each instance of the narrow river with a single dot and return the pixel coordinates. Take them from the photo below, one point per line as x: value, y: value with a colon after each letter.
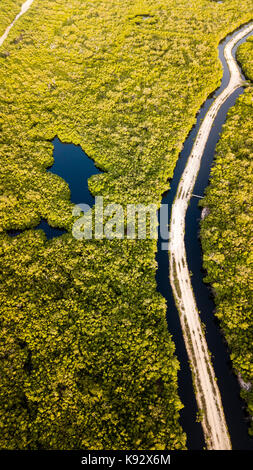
x: 227, y: 382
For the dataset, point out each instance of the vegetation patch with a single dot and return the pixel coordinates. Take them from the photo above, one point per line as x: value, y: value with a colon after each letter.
x: 8, y: 12
x: 86, y: 358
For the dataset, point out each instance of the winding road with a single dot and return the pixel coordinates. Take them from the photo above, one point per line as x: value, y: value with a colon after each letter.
x: 206, y: 389
x: 26, y: 5
x: 205, y: 385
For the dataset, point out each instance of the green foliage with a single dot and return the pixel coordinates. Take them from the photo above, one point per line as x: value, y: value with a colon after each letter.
x: 84, y: 342
x: 227, y: 232
x: 245, y: 57
x: 86, y: 358
x: 8, y: 11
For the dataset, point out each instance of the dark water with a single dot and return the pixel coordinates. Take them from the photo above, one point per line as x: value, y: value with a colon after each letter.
x: 73, y: 165
x: 51, y: 232
x: 227, y: 382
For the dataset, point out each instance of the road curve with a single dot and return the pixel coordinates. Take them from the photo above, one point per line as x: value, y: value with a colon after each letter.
x: 26, y: 5
x: 205, y: 385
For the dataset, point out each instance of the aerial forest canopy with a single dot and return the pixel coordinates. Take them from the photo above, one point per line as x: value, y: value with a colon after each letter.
x: 86, y: 358
x: 227, y: 231
x: 9, y: 9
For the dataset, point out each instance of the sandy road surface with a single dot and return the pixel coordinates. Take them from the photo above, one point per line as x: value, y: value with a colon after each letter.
x: 26, y: 5
x: 206, y: 389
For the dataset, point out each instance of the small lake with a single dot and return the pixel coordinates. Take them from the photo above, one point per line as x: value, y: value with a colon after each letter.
x: 73, y: 165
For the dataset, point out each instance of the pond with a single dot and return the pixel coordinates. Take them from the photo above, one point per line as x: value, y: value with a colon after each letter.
x: 73, y: 165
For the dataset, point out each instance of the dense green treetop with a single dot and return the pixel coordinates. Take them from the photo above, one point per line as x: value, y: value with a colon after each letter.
x: 8, y: 11
x: 86, y: 358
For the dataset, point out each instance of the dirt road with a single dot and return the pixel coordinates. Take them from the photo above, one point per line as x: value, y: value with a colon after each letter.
x: 206, y: 389
x: 26, y: 5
